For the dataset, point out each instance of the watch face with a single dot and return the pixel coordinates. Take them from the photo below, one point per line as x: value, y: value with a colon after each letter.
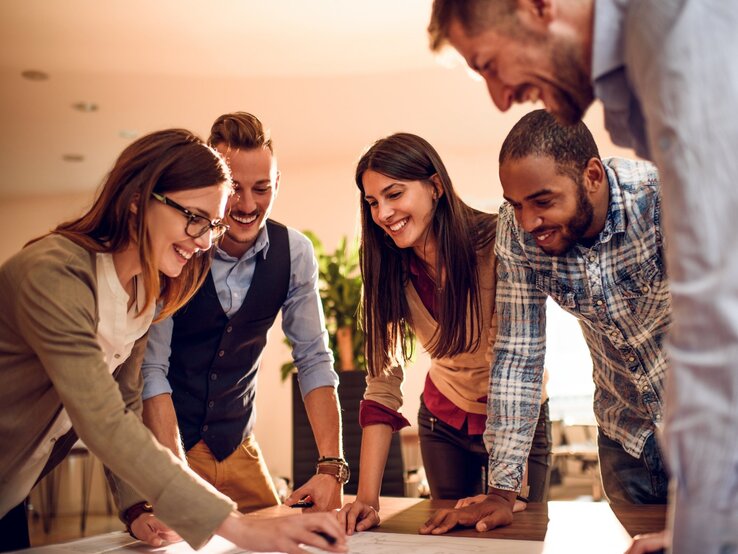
x: 344, y: 474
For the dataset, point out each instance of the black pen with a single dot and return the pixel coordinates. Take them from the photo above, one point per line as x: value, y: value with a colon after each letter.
x: 303, y: 504
x: 330, y: 538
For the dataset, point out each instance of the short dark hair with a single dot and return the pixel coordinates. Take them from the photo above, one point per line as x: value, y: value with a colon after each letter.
x: 475, y: 16
x: 240, y: 130
x: 540, y: 134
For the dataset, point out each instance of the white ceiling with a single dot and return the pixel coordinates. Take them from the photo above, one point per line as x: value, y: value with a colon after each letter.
x: 328, y: 77
x: 244, y: 38
x: 318, y: 72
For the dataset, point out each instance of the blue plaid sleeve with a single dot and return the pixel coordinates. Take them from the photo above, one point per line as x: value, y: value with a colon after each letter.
x: 513, y: 402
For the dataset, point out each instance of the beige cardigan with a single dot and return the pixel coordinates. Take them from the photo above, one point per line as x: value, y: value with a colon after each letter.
x: 462, y: 379
x: 49, y: 358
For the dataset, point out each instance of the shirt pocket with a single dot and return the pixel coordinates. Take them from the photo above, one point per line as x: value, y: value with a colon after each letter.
x: 644, y: 290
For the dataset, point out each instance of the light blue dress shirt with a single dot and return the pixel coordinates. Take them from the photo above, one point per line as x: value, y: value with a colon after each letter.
x: 667, y: 73
x: 302, y: 315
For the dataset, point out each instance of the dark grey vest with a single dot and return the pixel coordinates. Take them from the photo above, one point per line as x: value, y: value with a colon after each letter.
x: 214, y: 360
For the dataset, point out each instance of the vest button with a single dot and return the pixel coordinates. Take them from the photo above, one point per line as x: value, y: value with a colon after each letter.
x: 211, y: 404
x: 213, y: 376
x: 204, y: 428
x: 229, y: 328
x: 221, y: 353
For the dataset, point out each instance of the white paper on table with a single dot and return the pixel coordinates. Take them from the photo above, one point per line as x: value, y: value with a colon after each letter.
x: 123, y: 542
x: 360, y: 543
x: 393, y: 543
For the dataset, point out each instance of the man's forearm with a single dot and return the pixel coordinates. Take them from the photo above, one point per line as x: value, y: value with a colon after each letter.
x: 516, y: 375
x: 160, y: 418
x: 323, y: 411
x: 508, y: 440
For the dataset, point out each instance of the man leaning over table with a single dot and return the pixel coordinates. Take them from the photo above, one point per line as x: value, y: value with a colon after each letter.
x: 666, y: 73
x: 586, y: 232
x: 201, y: 365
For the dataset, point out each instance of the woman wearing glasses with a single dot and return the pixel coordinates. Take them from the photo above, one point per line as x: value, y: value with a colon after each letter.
x: 74, y: 312
x: 428, y: 265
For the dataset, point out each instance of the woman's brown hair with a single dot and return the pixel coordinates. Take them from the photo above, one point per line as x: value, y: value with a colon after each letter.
x: 162, y: 162
x: 459, y: 231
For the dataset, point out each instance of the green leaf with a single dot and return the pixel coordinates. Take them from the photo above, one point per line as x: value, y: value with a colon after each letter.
x: 339, y: 285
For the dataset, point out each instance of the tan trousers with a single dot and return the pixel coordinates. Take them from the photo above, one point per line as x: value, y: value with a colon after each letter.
x: 243, y: 476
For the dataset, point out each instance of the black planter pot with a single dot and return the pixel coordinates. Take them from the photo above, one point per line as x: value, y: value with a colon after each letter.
x: 305, y: 453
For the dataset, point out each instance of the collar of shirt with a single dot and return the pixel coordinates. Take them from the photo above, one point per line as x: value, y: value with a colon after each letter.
x: 261, y: 245
x: 616, y: 216
x: 118, y: 327
x: 607, y: 37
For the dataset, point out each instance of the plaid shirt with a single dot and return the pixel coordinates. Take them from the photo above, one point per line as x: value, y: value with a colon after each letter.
x: 618, y: 291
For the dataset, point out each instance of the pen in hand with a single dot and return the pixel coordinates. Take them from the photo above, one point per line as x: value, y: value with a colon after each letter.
x: 329, y: 538
x: 303, y: 503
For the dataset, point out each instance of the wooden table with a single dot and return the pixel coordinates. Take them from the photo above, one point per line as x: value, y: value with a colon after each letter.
x: 564, y: 527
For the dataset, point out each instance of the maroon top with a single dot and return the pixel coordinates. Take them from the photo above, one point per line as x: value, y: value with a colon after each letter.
x: 372, y: 412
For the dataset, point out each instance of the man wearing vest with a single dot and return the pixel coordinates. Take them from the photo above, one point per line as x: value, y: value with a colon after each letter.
x: 200, y: 366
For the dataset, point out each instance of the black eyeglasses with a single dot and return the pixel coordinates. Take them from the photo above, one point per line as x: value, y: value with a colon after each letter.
x: 197, y: 225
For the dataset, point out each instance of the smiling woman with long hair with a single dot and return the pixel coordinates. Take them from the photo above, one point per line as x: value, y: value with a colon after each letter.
x: 75, y: 309
x: 428, y: 266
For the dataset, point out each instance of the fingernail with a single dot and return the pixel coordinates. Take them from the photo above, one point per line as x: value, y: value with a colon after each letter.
x: 482, y: 527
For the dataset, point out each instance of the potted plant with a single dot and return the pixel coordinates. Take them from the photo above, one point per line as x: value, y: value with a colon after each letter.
x: 339, y: 279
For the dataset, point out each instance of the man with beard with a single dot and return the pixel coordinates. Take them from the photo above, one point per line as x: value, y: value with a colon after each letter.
x: 200, y: 366
x: 666, y: 73
x: 585, y: 232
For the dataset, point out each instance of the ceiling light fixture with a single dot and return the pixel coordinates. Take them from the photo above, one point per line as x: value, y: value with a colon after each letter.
x: 34, y: 75
x: 128, y: 133
x: 86, y: 107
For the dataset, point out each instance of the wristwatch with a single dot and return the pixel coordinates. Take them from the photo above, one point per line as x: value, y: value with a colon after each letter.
x: 338, y: 467
x: 132, y: 513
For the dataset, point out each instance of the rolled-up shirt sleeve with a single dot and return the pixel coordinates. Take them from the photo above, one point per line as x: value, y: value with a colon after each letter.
x: 386, y: 387
x: 516, y: 378
x: 374, y: 413
x: 303, y: 321
x: 155, y: 366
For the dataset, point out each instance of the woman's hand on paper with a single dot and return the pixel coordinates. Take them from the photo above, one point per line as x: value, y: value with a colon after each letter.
x: 358, y: 516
